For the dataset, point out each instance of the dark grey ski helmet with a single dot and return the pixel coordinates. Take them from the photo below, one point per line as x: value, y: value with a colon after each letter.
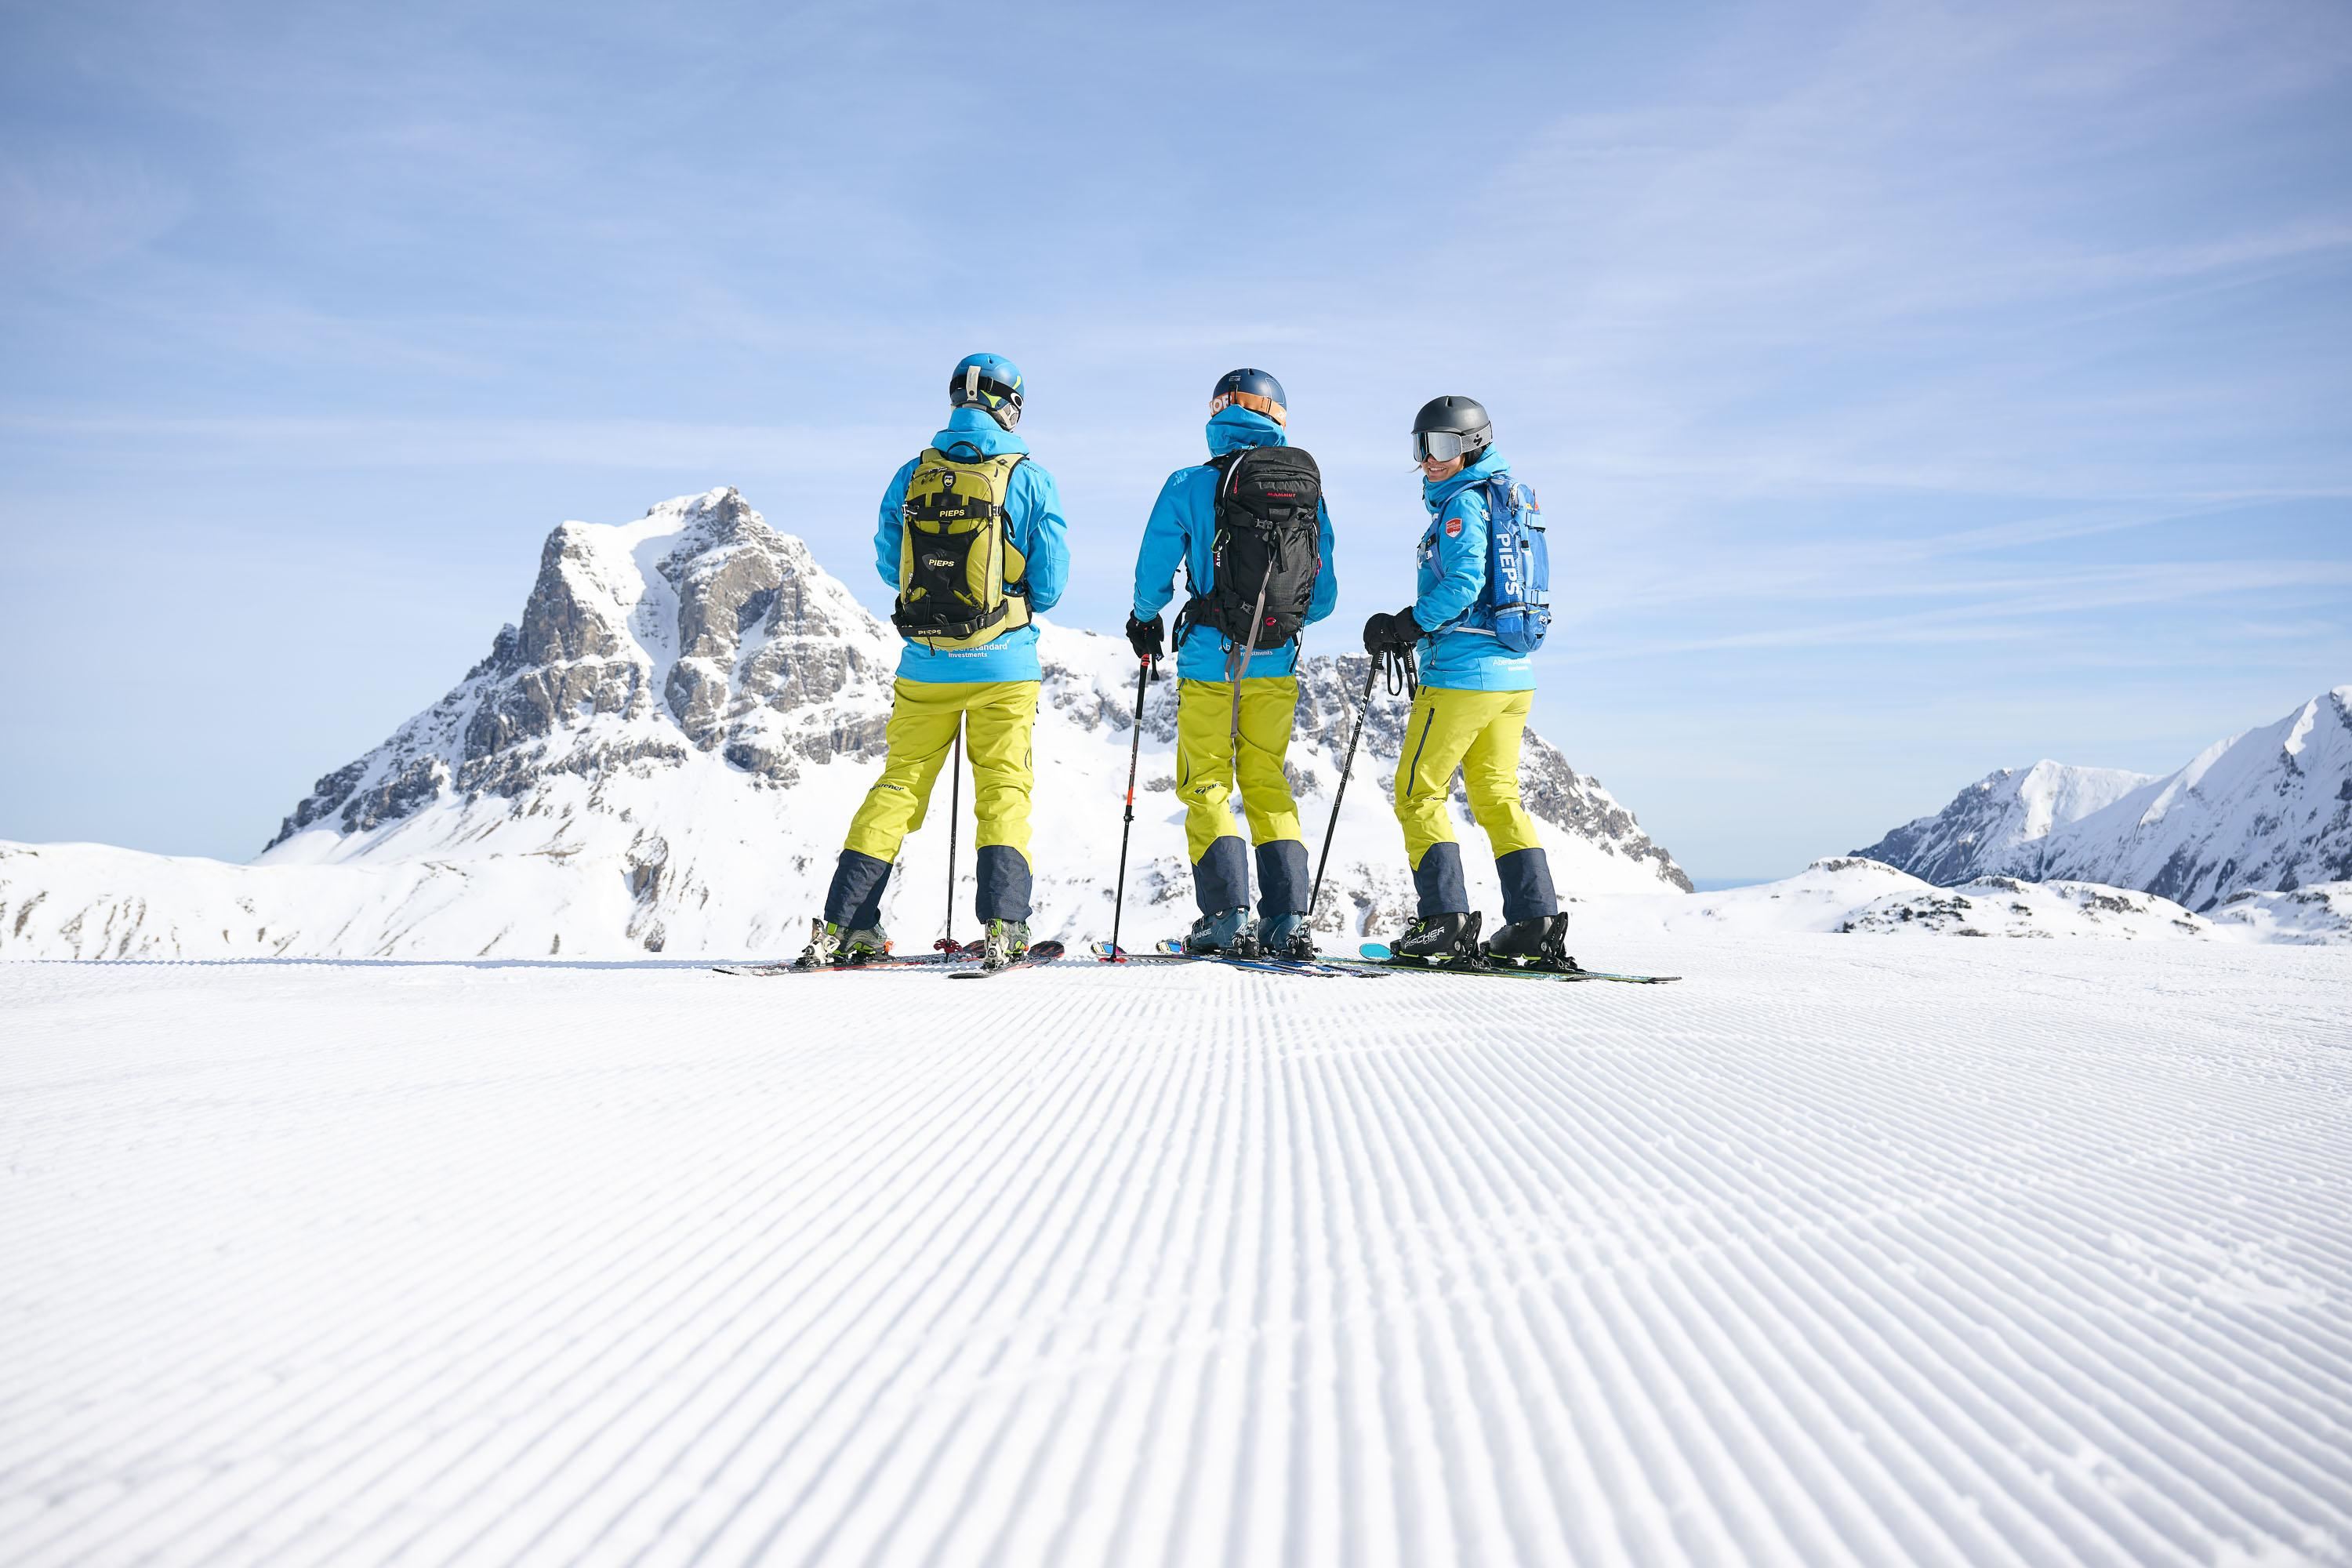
x: 1451, y: 427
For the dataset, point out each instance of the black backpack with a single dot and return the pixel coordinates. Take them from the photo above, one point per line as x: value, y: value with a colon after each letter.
x: 1267, y: 551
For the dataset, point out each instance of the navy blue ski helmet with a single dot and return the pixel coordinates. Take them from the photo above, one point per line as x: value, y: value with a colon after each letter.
x: 987, y: 381
x: 1254, y: 390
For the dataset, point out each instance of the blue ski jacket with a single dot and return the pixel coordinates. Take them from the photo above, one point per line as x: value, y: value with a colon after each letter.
x: 1452, y: 576
x: 1184, y: 528
x: 1033, y: 522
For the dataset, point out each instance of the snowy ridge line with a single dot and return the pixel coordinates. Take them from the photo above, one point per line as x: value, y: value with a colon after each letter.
x: 1838, y: 1259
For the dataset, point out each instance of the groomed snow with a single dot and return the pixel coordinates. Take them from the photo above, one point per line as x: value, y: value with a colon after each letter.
x: 1840, y: 1252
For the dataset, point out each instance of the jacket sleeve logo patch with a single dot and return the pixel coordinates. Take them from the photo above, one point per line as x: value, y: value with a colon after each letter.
x: 1453, y: 527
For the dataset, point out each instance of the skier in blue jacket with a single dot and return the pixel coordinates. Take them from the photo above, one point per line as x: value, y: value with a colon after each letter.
x: 1470, y: 713
x: 1233, y: 723
x: 970, y: 665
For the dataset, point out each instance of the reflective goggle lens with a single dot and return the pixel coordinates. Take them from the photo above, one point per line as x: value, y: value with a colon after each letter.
x: 1443, y: 445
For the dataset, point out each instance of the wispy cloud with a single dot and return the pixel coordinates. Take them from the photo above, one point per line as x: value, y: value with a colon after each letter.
x: 347, y: 442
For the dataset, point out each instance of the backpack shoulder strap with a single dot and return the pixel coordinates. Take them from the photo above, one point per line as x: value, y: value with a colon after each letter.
x: 1016, y: 560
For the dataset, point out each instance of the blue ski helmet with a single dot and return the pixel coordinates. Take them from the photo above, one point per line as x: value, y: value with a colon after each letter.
x: 1254, y: 390
x: 987, y: 381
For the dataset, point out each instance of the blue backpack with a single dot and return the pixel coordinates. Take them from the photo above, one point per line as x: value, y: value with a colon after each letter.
x: 1516, y: 604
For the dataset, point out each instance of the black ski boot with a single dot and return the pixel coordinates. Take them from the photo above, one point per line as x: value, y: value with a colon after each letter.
x: 1286, y: 936
x: 1448, y: 938
x: 1538, y: 944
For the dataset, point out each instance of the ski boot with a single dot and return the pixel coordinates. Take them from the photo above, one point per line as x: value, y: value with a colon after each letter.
x: 1005, y: 942
x: 1449, y: 939
x: 1226, y: 933
x: 830, y: 947
x: 1538, y: 944
x: 1285, y: 936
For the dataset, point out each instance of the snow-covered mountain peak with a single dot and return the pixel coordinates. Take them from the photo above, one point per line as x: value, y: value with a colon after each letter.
x: 1994, y: 823
x: 2269, y: 808
x: 695, y: 628
x: 2051, y: 795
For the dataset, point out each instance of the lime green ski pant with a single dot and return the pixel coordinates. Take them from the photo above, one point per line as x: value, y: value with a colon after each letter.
x: 1210, y: 764
x: 1478, y: 733
x: 995, y: 718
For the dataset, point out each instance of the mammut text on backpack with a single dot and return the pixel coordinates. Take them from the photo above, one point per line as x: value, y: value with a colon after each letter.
x: 1267, y: 551
x: 956, y: 563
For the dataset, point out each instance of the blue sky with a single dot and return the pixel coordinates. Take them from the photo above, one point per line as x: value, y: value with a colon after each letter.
x: 1912, y: 391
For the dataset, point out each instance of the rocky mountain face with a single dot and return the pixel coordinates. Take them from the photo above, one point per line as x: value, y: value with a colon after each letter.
x: 662, y: 754
x: 2266, y: 811
x: 694, y: 630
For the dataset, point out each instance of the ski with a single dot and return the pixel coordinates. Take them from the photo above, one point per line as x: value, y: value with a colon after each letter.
x: 1377, y: 953
x: 1171, y: 950
x: 964, y: 953
x: 1039, y: 952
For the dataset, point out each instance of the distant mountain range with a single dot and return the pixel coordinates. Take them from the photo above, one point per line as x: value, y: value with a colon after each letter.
x: 662, y: 756
x: 2267, y: 810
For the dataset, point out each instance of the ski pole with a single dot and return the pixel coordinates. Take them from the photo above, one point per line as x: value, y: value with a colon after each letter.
x: 1372, y: 669
x: 1127, y: 826
x: 955, y: 811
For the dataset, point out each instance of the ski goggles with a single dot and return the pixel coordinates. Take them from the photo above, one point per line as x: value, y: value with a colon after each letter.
x: 1444, y: 445
x: 1255, y: 402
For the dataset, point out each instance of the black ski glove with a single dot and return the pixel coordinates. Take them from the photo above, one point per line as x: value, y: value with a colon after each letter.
x: 1391, y: 634
x: 1143, y: 637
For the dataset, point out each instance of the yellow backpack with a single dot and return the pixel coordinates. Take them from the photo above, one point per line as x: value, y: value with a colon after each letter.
x: 956, y: 565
